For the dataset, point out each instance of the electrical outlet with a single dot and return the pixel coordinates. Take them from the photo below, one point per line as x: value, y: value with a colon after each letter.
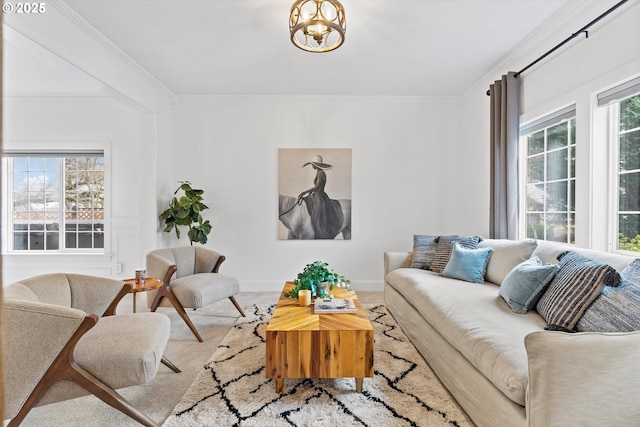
x: 118, y: 268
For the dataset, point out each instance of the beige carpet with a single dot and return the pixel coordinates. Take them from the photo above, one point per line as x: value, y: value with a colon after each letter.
x: 231, y: 390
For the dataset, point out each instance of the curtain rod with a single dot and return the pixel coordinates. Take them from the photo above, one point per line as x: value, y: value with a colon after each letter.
x: 571, y: 37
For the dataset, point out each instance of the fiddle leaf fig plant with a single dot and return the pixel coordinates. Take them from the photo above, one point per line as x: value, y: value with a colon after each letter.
x: 185, y: 210
x: 313, y: 275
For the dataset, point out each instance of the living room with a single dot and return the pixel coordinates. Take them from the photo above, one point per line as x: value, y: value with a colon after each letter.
x: 228, y: 145
x: 420, y: 159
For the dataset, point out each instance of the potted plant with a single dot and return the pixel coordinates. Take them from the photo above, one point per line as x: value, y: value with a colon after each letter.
x: 186, y: 211
x: 314, y: 276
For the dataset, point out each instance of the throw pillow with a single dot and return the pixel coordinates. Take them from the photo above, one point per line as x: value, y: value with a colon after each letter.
x: 424, y: 248
x: 617, y: 309
x: 578, y: 282
x: 469, y: 265
x: 443, y: 250
x: 525, y: 284
x: 506, y: 255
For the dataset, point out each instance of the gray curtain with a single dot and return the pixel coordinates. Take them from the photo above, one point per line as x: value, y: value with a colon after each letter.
x: 505, y: 123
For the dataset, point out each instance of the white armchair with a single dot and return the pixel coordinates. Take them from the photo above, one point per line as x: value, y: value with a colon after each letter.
x: 191, y: 280
x: 57, y: 347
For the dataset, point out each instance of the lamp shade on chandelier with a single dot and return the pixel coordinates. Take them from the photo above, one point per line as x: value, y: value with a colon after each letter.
x: 317, y: 25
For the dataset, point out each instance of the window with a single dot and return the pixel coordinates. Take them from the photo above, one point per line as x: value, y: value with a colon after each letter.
x: 623, y: 106
x: 625, y: 120
x: 56, y: 202
x: 549, y: 146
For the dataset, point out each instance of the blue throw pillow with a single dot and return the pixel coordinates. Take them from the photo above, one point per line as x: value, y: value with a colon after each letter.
x: 617, y: 309
x: 443, y: 250
x: 469, y: 265
x: 523, y: 286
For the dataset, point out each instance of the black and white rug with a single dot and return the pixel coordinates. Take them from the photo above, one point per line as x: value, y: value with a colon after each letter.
x: 232, y: 389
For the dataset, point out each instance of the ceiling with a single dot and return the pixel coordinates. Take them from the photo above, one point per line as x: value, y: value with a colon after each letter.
x: 392, y: 47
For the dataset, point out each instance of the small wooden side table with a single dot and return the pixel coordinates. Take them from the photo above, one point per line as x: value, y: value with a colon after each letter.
x: 149, y: 284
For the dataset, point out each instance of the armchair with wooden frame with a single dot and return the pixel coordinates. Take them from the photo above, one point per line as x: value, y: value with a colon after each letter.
x: 57, y: 348
x: 191, y: 280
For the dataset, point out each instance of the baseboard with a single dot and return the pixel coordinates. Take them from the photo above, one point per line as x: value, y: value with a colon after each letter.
x: 271, y: 286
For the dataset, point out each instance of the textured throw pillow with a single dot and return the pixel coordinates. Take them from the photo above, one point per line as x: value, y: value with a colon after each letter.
x: 443, y: 250
x: 424, y: 248
x: 578, y: 282
x: 469, y: 265
x: 506, y: 255
x: 525, y: 284
x: 616, y: 309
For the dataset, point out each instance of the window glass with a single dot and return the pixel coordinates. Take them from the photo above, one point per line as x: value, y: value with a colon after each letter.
x: 550, y: 179
x: 628, y: 127
x: 57, y: 202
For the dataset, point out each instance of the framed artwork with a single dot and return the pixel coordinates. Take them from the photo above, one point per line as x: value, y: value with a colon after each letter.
x: 314, y: 200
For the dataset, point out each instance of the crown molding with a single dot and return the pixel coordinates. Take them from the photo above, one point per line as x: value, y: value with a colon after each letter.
x: 553, y: 31
x: 100, y: 38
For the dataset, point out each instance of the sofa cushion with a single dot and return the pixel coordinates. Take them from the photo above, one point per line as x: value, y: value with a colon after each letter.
x: 476, y: 322
x: 617, y: 309
x: 424, y: 248
x: 443, y: 250
x: 506, y: 255
x: 548, y: 252
x: 199, y: 290
x: 137, y: 341
x: 122, y: 350
x: 467, y: 264
x: 525, y: 284
x: 578, y: 282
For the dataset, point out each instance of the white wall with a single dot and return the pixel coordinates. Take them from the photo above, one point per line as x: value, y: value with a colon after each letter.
x: 402, y: 176
x: 74, y: 122
x: 135, y: 117
x: 420, y: 165
x: 574, y: 74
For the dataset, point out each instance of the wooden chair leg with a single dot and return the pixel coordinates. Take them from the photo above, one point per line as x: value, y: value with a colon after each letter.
x: 64, y: 367
x: 169, y: 364
x: 235, y: 303
x: 168, y: 293
x: 108, y: 395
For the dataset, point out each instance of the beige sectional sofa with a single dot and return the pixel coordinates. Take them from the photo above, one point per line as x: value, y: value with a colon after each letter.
x: 504, y: 368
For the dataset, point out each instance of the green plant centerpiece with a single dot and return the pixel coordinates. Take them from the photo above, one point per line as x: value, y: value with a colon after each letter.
x: 314, y: 276
x: 186, y: 211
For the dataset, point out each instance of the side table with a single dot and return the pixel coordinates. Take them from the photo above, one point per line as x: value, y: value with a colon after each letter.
x: 149, y: 284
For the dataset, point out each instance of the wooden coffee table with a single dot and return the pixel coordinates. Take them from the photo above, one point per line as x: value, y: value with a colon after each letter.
x: 301, y: 344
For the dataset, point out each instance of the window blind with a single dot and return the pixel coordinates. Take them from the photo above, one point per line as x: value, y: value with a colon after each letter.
x: 549, y: 120
x: 619, y: 92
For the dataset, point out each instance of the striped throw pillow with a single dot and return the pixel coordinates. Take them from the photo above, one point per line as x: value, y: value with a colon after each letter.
x: 443, y: 250
x: 578, y: 282
x: 424, y: 248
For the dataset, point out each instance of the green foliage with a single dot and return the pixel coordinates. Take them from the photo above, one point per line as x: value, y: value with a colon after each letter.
x: 629, y: 244
x: 313, y: 274
x: 186, y: 211
x: 630, y: 113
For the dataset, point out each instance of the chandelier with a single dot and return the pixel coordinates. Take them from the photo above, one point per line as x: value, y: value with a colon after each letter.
x: 317, y: 25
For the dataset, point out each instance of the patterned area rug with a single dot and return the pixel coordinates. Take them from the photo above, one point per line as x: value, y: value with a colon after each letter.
x: 232, y: 389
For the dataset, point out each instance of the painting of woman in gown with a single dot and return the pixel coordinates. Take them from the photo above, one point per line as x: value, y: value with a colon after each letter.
x: 313, y: 213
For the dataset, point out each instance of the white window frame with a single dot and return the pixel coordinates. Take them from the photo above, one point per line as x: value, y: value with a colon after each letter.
x: 55, y: 149
x: 610, y: 99
x: 552, y: 118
